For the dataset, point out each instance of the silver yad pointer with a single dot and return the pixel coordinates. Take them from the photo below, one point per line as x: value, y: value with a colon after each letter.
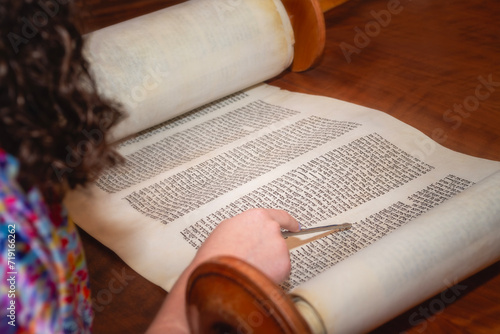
x: 332, y: 228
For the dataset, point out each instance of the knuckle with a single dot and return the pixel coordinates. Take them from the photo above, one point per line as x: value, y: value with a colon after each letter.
x: 259, y: 214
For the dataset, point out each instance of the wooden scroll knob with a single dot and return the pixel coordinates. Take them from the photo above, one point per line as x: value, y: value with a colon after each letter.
x: 227, y: 295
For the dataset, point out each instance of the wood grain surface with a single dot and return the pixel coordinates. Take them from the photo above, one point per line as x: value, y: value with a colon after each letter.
x: 432, y: 64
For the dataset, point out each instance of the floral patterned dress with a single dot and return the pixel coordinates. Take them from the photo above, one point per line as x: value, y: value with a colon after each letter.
x: 44, y: 281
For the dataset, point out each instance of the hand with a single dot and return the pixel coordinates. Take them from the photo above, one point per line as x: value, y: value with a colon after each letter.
x: 255, y: 237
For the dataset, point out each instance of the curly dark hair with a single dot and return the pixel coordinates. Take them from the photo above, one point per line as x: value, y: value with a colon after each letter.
x: 52, y: 118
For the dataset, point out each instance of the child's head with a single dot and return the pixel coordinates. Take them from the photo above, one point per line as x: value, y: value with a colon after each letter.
x: 52, y: 119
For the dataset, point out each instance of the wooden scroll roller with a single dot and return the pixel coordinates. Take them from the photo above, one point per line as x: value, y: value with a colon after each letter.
x: 308, y: 25
x: 227, y: 295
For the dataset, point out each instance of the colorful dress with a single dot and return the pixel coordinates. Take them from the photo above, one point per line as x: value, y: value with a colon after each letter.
x: 44, y: 281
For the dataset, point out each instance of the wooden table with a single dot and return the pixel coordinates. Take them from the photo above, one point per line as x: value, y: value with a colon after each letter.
x: 422, y: 64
